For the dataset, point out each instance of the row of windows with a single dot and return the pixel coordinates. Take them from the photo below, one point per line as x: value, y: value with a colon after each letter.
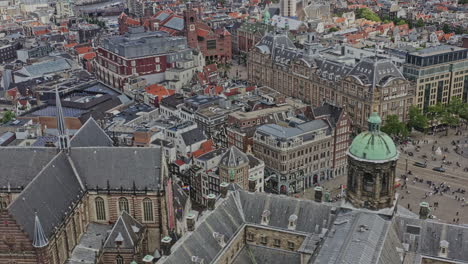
x: 148, y: 215
x: 264, y: 240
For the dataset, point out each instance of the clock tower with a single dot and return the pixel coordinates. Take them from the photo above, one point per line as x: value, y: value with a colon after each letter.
x: 190, y: 20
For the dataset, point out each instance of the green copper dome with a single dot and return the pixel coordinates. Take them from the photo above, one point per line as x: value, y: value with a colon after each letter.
x: 373, y: 145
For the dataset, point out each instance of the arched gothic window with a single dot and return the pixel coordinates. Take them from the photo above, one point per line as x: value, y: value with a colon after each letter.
x: 119, y: 260
x: 123, y: 205
x: 100, y: 208
x: 147, y: 210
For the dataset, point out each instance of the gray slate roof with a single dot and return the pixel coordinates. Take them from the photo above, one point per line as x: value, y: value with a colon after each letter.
x: 193, y: 136
x: 20, y: 165
x: 121, y: 167
x: 50, y: 194
x: 376, y: 71
x: 91, y: 135
x: 234, y: 157
x: 226, y: 219
x: 127, y: 228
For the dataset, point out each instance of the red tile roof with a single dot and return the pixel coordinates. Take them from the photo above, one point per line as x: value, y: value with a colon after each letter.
x: 159, y: 91
x: 89, y: 56
x: 205, y: 147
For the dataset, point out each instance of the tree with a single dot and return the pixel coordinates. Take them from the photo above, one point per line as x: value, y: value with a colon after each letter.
x: 401, y: 22
x: 446, y: 28
x: 393, y: 127
x: 450, y: 120
x: 435, y: 112
x: 333, y: 29
x: 8, y: 116
x: 416, y: 119
x: 366, y: 13
x: 420, y: 23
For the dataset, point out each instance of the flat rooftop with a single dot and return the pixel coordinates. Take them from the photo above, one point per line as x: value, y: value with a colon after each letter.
x: 436, y: 50
x: 262, y: 112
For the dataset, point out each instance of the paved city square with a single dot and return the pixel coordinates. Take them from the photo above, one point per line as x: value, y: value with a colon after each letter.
x: 450, y: 207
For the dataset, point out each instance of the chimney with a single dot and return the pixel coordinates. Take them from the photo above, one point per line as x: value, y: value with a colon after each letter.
x: 211, y: 200
x: 424, y: 210
x: 223, y: 189
x: 166, y: 246
x: 190, y: 221
x: 252, y: 184
x: 318, y: 194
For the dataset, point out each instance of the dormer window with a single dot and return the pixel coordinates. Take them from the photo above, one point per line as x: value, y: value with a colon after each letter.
x: 265, y: 217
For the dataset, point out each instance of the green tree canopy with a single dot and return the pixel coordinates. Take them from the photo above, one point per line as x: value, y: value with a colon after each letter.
x: 367, y: 14
x: 416, y: 119
x: 394, y: 127
x: 8, y: 116
x: 333, y: 29
x: 420, y: 23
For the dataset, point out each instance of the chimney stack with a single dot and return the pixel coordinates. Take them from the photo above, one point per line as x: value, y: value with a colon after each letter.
x: 223, y: 189
x: 211, y: 200
x: 318, y: 194
x: 190, y: 220
x: 424, y: 210
x: 166, y: 245
x: 252, y: 184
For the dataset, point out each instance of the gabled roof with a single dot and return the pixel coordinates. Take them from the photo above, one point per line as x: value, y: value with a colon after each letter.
x: 91, y: 135
x: 50, y: 194
x: 126, y: 230
x: 234, y: 157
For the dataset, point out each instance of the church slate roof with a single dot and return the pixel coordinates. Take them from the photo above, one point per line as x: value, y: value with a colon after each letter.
x: 91, y: 135
x: 51, y: 194
x: 118, y: 167
x: 20, y: 165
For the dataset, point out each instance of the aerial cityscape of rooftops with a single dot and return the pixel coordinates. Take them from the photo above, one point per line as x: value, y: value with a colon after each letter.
x: 233, y: 132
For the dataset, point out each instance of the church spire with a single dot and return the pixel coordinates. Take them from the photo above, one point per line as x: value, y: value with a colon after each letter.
x: 63, y: 139
x: 40, y: 239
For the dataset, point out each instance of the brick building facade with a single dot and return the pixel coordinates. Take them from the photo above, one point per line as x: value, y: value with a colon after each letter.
x: 139, y: 53
x: 215, y: 44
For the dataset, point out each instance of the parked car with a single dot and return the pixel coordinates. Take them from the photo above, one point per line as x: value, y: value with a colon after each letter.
x: 439, y: 169
x: 420, y: 164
